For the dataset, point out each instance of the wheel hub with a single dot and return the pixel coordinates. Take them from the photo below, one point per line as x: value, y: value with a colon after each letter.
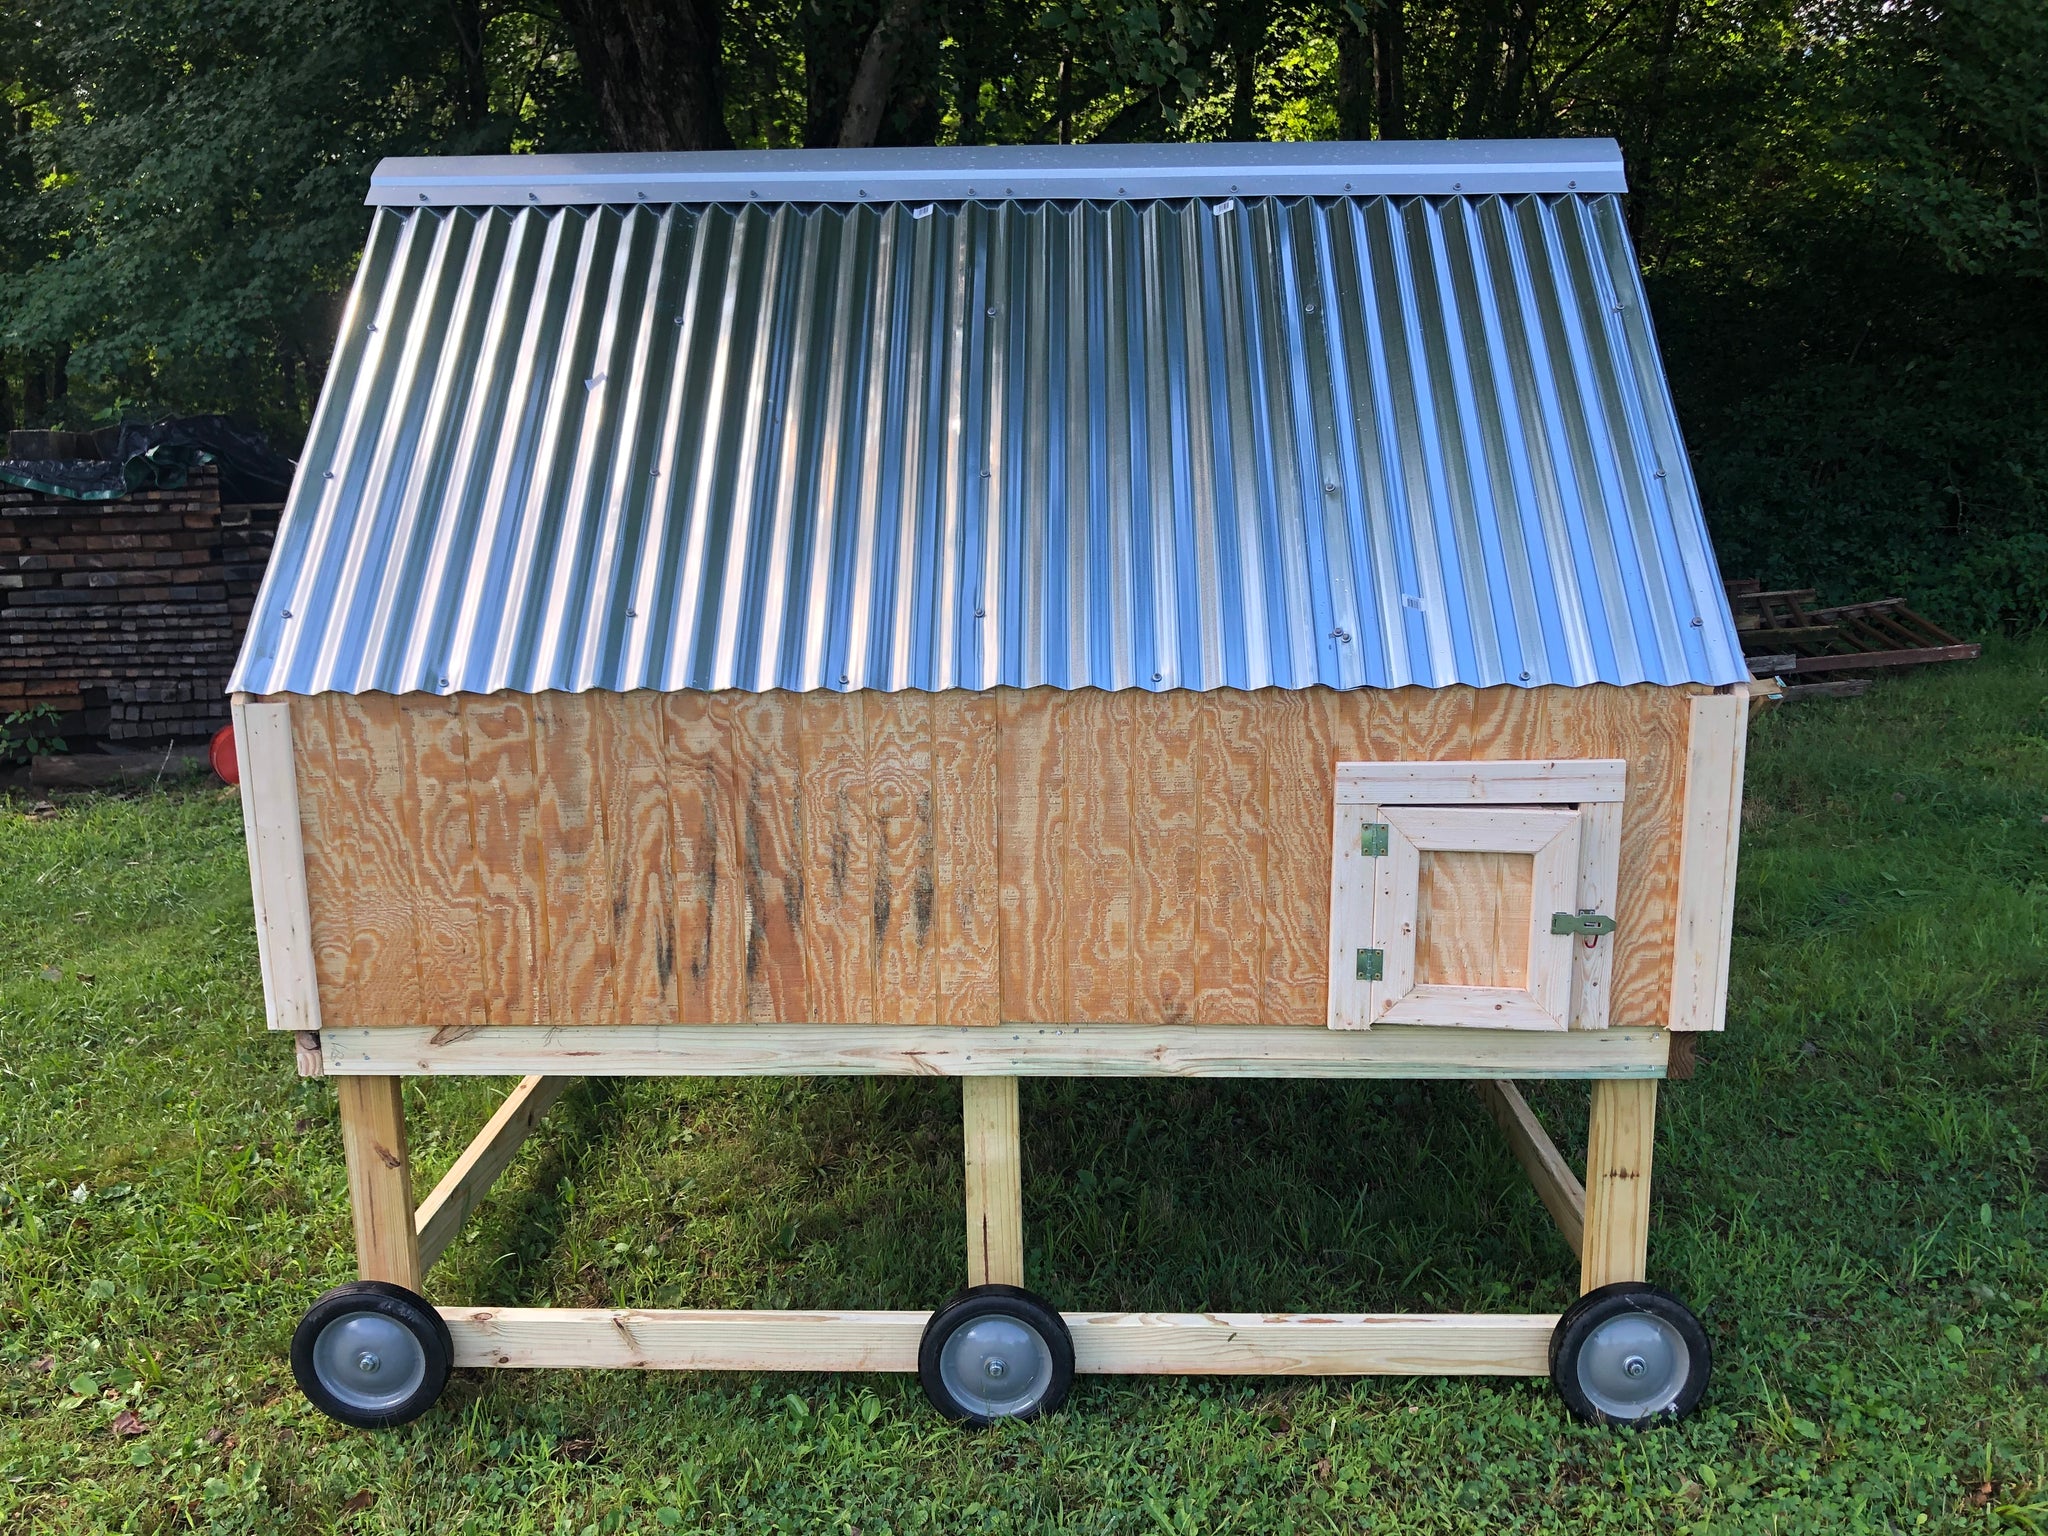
x: 997, y: 1364
x: 369, y: 1361
x: 1634, y: 1365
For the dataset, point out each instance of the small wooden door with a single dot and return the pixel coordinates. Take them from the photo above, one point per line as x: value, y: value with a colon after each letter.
x: 1471, y: 893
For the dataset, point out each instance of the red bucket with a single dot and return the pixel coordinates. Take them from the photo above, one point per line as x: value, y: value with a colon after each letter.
x: 221, y: 754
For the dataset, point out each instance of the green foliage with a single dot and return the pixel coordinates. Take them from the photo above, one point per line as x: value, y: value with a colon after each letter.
x: 1849, y: 1191
x: 29, y: 733
x: 1839, y: 203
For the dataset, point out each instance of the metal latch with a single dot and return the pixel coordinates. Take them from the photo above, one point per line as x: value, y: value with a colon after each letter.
x: 1587, y: 924
x: 1371, y: 964
x: 1372, y: 842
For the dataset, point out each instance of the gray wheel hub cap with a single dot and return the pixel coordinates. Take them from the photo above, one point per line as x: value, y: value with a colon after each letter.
x: 996, y: 1365
x: 369, y: 1361
x: 1634, y: 1365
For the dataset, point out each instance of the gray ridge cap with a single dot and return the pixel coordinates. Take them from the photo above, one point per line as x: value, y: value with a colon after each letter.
x: 1126, y: 172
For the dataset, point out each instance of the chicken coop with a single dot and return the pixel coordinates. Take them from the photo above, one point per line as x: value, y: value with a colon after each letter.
x: 1192, y: 611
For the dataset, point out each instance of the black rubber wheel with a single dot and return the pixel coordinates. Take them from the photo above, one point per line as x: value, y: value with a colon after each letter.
x: 372, y: 1355
x: 995, y: 1352
x: 1629, y: 1354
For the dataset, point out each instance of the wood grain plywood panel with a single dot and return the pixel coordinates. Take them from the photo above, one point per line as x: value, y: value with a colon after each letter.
x: 1095, y: 758
x: 325, y: 833
x: 1472, y: 919
x: 704, y: 863
x: 444, y: 870
x: 370, y: 780
x: 759, y: 775
x: 1230, y: 902
x: 1165, y: 860
x: 1645, y: 726
x: 573, y: 762
x: 1033, y: 855
x: 966, y: 792
x: 1299, y: 794
x: 905, y: 891
x: 838, y: 847
x: 640, y: 885
x: 511, y: 871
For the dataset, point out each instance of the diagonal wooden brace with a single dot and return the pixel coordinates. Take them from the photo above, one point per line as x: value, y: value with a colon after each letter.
x: 441, y: 1214
x: 1556, y: 1185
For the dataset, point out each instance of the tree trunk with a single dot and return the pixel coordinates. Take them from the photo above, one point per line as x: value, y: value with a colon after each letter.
x: 653, y: 67
x: 1389, y: 92
x: 869, y: 97
x: 1354, y: 79
x: 472, y: 84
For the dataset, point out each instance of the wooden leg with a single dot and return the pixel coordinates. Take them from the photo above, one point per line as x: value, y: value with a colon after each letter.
x: 995, y: 1182
x: 1618, y: 1142
x: 379, y: 1179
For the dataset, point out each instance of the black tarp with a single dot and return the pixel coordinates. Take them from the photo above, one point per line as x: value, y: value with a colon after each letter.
x: 138, y: 455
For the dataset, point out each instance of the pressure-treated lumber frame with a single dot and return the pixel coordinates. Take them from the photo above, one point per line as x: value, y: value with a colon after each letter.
x: 380, y: 1179
x: 1033, y: 1050
x: 1105, y: 1343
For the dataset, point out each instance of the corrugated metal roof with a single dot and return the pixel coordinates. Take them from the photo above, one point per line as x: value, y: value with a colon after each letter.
x: 1192, y: 443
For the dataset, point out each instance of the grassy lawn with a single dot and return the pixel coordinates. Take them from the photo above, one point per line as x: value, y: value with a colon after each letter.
x: 1851, y: 1193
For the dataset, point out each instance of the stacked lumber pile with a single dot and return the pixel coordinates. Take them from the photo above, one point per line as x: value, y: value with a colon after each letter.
x: 1783, y: 637
x: 125, y: 616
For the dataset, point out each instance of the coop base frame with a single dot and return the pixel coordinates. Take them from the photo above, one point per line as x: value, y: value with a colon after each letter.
x: 1605, y: 1220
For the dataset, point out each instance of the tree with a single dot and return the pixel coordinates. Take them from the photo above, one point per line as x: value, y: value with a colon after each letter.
x: 655, y: 69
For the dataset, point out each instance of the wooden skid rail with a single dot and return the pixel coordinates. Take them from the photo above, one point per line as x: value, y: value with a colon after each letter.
x: 441, y: 1215
x: 1105, y: 1343
x: 1089, y: 1050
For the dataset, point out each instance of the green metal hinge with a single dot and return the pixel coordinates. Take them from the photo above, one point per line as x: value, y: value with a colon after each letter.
x: 1371, y: 964
x: 1587, y: 925
x: 1372, y: 842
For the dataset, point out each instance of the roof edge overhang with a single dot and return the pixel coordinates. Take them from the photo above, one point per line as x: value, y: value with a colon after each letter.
x: 1108, y: 172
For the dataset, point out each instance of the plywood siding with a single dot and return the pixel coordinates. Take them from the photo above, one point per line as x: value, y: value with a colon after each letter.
x: 1028, y: 855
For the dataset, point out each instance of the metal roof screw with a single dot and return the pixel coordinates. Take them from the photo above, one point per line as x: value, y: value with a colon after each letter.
x: 533, y: 197
x: 980, y: 613
x: 423, y: 197
x: 1342, y: 637
x: 1571, y: 183
x: 634, y: 613
x: 1155, y: 677
x: 1457, y: 186
x: 984, y: 474
x: 1525, y: 677
x: 753, y: 191
x: 842, y: 679
x: 1660, y: 474
x: 1311, y: 309
x: 1699, y: 623
x: 287, y: 613
x: 1233, y: 186
x: 373, y: 327
x: 858, y: 192
x: 444, y: 682
x: 679, y: 319
x: 991, y: 309
x: 1009, y: 191
x: 1119, y: 191
x: 641, y: 195
x: 970, y: 191
x: 1347, y: 186
x: 1330, y: 486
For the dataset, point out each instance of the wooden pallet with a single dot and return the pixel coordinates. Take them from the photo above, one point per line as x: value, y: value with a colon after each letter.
x: 1783, y: 636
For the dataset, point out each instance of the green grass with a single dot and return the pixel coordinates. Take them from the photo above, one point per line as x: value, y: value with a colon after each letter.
x: 1850, y: 1193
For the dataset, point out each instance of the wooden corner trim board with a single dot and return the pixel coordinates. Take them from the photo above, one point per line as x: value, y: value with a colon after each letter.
x: 1594, y: 780
x: 969, y: 1050
x: 1105, y: 1343
x: 1710, y: 830
x: 277, y: 863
